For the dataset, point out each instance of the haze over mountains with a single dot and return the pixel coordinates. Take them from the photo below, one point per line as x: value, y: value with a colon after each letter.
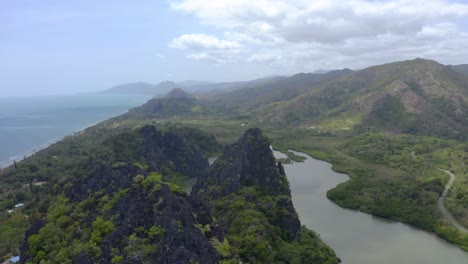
x: 415, y: 96
x: 304, y: 79
x: 419, y: 96
x: 462, y: 68
x: 189, y: 85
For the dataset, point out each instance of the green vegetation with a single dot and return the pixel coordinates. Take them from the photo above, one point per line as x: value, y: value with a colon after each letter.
x: 389, y: 127
x: 12, y: 229
x: 69, y: 231
x: 250, y: 197
x: 75, y: 158
x: 457, y: 162
x: 393, y: 177
x: 255, y: 237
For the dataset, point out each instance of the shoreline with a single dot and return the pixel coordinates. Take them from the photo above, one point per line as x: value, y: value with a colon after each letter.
x: 120, y: 107
x: 28, y: 153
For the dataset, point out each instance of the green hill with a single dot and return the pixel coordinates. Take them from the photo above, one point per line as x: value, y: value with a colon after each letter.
x: 142, y: 88
x: 462, y: 68
x: 249, y: 98
x: 417, y: 97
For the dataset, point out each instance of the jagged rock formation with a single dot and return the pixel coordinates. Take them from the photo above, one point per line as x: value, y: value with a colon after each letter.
x: 158, y: 150
x: 126, y: 208
x: 125, y: 213
x: 251, y: 200
x: 247, y: 162
x: 250, y: 162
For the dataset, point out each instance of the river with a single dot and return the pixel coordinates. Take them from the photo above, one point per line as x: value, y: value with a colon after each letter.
x: 356, y: 237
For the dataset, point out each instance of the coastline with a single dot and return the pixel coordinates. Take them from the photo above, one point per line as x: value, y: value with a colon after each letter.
x: 28, y: 153
x: 109, y: 106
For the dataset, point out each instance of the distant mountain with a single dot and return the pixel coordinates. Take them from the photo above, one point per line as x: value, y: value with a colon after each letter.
x: 227, y: 86
x: 178, y: 93
x: 131, y: 88
x: 276, y: 90
x: 164, y: 87
x: 322, y: 71
x: 176, y: 103
x: 462, y: 68
x: 143, y: 88
x: 189, y: 85
x: 417, y: 96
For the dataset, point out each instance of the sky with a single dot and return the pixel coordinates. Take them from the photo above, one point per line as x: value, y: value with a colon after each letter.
x: 65, y: 47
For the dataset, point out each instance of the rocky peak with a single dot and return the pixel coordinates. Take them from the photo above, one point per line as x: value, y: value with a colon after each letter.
x: 128, y: 211
x: 178, y: 93
x: 248, y: 162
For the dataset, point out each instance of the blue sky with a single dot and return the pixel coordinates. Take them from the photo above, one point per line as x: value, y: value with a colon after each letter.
x: 64, y: 47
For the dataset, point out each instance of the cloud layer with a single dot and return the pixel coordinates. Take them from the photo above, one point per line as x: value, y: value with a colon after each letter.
x: 305, y: 34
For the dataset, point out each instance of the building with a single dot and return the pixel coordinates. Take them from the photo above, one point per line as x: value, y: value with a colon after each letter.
x: 14, y: 259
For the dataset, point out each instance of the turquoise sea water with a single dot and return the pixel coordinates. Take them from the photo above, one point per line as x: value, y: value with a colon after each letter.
x: 28, y: 124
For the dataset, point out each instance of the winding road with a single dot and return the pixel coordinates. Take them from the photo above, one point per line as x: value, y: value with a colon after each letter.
x: 441, y: 205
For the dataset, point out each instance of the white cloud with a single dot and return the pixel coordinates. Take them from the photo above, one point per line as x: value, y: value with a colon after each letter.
x: 207, y: 48
x: 304, y: 33
x: 202, y: 42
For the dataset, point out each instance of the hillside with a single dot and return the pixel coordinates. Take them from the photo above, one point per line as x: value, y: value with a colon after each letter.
x: 226, y: 86
x: 462, y: 68
x: 124, y: 206
x: 418, y: 97
x: 120, y: 198
x: 115, y: 192
x: 116, y: 195
x: 142, y: 88
x: 192, y: 86
x: 252, y: 202
x: 284, y: 89
x: 177, y: 103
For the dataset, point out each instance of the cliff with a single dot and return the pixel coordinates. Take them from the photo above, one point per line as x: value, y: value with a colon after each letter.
x: 124, y: 212
x: 123, y: 205
x: 251, y: 200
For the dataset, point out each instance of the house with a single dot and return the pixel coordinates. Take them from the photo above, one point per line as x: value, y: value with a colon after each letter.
x: 39, y: 183
x: 14, y: 259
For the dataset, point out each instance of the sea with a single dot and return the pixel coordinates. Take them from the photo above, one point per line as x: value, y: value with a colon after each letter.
x: 28, y: 124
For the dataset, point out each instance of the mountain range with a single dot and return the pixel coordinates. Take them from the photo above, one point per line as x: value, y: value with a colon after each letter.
x: 142, y: 88
x: 415, y: 96
x: 462, y: 68
x: 114, y: 193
